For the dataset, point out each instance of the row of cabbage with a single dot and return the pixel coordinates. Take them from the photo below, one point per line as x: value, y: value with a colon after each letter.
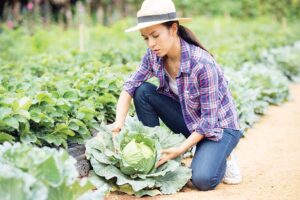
x: 53, y: 99
x: 257, y: 85
x: 61, y: 96
x: 44, y: 102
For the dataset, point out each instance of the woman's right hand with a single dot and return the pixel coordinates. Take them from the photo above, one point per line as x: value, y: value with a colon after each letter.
x: 116, y: 128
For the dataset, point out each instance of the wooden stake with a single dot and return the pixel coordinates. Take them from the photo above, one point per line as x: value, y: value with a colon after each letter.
x: 81, y: 37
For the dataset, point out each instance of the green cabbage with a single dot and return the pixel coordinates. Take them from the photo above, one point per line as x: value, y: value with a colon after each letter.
x: 138, y: 157
x: 33, y: 173
x: 127, y: 163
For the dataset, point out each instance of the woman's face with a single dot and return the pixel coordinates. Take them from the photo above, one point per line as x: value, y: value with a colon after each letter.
x: 159, y: 38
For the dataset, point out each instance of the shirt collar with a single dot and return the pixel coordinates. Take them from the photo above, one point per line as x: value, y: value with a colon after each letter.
x: 185, y: 58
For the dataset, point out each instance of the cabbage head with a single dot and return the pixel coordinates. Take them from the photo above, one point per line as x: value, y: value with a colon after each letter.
x: 138, y: 156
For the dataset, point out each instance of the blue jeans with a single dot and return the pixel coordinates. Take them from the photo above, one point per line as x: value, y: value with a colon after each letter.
x: 209, y: 162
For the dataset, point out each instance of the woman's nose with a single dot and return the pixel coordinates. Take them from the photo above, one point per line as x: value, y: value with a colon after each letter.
x: 151, y: 43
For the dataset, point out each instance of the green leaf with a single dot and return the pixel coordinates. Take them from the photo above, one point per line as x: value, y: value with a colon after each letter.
x: 36, y: 116
x: 45, y: 97
x: 64, y: 105
x: 126, y: 189
x: 25, y: 103
x: 70, y: 192
x: 173, y: 181
x: 70, y: 95
x: 148, y: 192
x: 6, y: 137
x: 20, y: 118
x: 15, y: 184
x: 28, y: 138
x: 57, y: 139
x: 78, y: 126
x: 5, y: 112
x: 74, y: 126
x: 169, y: 166
x: 109, y: 172
x: 86, y: 113
x: 48, y: 171
x: 107, y: 98
x: 12, y: 122
x: 63, y: 129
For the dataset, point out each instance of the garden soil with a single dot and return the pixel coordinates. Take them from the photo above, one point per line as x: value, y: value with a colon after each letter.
x: 269, y: 158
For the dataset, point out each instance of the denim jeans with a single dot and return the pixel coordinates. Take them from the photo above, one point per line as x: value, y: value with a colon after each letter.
x: 209, y: 162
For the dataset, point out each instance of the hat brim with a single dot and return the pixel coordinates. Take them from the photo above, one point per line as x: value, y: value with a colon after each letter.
x: 147, y: 24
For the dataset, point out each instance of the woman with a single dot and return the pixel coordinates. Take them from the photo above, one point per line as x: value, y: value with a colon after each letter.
x: 192, y: 98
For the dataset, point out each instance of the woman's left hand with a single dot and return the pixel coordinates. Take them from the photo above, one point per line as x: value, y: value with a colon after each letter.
x: 169, y: 154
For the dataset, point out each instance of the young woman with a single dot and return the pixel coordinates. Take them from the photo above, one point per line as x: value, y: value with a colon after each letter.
x: 192, y: 97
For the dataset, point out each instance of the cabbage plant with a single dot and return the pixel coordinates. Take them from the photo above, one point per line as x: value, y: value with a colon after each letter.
x: 127, y: 163
x: 32, y: 173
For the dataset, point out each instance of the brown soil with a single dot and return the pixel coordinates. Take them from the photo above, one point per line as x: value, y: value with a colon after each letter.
x: 269, y: 158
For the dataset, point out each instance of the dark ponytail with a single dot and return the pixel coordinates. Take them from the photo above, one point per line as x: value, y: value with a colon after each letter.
x: 186, y: 34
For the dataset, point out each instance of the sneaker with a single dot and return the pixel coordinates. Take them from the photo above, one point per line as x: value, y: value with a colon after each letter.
x: 232, y: 174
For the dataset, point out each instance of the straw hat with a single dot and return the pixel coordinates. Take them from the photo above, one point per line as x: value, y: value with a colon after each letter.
x: 155, y: 12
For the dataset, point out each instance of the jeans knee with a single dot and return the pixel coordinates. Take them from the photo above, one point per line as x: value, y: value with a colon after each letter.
x: 141, y: 91
x: 204, y: 181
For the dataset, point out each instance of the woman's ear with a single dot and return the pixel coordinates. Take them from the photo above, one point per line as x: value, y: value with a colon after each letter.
x: 174, y: 29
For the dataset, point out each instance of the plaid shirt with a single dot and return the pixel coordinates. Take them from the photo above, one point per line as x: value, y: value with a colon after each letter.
x: 206, y: 102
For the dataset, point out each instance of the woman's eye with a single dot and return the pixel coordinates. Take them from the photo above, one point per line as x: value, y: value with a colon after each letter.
x: 155, y: 36
x: 146, y: 39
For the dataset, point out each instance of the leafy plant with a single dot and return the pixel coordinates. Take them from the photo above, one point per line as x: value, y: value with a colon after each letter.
x: 40, y: 173
x: 118, y: 162
x: 61, y: 96
x: 254, y: 87
x: 286, y: 59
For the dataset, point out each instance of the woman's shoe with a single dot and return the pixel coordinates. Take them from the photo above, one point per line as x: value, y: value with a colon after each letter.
x: 232, y: 174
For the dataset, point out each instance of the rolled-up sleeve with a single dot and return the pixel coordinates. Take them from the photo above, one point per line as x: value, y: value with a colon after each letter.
x: 209, y: 100
x: 143, y: 73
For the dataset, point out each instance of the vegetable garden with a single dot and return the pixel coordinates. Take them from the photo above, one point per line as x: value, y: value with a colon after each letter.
x: 60, y: 87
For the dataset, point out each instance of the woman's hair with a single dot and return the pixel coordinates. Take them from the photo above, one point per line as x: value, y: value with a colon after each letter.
x: 186, y: 34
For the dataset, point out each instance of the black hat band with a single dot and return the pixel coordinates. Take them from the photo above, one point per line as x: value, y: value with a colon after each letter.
x: 162, y: 17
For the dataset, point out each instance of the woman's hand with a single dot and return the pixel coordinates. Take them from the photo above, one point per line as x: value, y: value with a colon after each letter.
x: 169, y: 154
x: 116, y: 128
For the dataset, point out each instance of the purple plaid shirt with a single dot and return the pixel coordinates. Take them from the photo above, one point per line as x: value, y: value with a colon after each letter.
x: 206, y: 102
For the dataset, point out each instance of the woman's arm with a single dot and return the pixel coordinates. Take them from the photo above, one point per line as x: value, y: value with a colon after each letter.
x: 174, y: 152
x: 143, y: 73
x: 123, y: 105
x: 193, y: 139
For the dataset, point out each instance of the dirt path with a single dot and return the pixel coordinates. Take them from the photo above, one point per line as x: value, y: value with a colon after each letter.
x: 269, y: 158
